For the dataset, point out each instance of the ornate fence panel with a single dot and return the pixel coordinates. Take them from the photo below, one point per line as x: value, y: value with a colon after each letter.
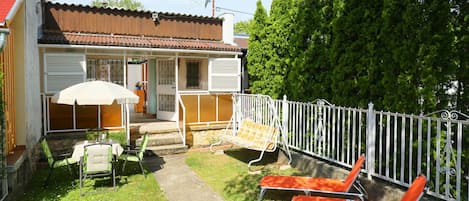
x: 398, y: 146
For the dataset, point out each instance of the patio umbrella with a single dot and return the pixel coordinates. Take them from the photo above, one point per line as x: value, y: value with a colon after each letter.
x: 97, y: 93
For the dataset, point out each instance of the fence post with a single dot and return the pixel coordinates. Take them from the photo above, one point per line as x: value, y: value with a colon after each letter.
x: 285, y: 118
x: 370, y: 140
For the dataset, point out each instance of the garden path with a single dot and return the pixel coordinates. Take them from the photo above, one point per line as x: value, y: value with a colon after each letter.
x: 178, y: 181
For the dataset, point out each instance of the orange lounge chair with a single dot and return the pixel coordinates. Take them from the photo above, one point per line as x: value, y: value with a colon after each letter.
x: 316, y: 186
x: 414, y: 193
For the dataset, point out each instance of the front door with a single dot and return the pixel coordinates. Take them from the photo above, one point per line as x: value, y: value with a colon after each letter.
x: 166, y: 90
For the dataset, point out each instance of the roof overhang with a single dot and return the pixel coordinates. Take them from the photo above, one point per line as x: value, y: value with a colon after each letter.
x: 14, y: 8
x: 140, y: 43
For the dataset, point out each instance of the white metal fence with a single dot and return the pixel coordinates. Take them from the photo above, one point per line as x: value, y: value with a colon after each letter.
x: 398, y: 147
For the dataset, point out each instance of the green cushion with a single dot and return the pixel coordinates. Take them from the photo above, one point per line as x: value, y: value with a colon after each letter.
x: 63, y: 162
x: 129, y: 157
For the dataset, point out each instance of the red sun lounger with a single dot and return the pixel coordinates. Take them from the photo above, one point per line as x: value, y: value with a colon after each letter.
x: 414, y: 193
x: 314, y: 186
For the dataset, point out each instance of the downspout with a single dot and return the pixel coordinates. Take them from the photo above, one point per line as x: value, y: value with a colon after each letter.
x: 3, y: 37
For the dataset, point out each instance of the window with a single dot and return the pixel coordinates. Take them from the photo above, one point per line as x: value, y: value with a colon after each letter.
x: 62, y: 70
x: 111, y: 70
x: 224, y: 74
x: 192, y: 74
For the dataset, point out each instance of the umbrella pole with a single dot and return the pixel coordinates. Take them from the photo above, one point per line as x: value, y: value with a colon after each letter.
x: 127, y: 122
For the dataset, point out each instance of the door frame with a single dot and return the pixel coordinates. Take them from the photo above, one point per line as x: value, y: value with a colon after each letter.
x: 164, y: 115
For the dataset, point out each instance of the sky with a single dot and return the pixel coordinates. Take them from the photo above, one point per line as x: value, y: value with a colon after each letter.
x: 196, y: 7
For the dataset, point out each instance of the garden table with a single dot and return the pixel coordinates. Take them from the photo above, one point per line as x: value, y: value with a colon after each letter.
x: 78, y: 148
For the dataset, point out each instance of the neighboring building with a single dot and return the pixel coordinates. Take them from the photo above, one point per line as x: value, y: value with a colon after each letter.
x: 242, y: 41
x: 176, y: 56
x: 20, y: 92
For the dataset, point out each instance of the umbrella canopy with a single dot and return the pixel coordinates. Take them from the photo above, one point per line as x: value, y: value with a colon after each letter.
x: 95, y: 93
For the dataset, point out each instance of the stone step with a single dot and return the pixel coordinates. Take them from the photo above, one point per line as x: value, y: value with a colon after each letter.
x: 157, y: 128
x: 168, y: 149
x: 161, y: 139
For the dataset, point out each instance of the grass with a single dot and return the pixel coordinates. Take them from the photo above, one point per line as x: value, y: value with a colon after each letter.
x: 62, y: 186
x: 228, y: 173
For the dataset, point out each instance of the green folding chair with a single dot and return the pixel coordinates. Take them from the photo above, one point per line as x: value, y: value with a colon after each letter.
x: 97, y: 161
x: 56, y: 160
x: 135, y: 155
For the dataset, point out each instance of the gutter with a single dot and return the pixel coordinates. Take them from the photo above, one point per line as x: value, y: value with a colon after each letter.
x: 140, y: 49
x: 3, y: 37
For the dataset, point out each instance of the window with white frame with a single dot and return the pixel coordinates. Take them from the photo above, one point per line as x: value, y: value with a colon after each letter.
x: 224, y: 74
x: 62, y: 70
x: 193, y: 74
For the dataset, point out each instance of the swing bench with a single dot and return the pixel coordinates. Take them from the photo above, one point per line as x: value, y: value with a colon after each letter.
x: 254, y: 136
x: 251, y: 134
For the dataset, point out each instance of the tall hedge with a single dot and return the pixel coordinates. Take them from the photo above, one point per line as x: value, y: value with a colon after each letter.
x: 403, y: 55
x: 256, y: 58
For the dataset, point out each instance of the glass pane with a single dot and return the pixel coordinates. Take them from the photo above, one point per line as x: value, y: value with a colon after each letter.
x: 166, y: 74
x: 192, y: 75
x: 111, y: 70
x: 166, y: 102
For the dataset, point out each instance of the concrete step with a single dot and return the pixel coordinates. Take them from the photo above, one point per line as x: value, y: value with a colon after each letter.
x: 168, y: 149
x: 162, y: 139
x: 157, y: 128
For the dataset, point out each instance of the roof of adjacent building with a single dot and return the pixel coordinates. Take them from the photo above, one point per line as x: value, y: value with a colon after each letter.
x: 241, y: 40
x: 133, y: 41
x: 5, y: 7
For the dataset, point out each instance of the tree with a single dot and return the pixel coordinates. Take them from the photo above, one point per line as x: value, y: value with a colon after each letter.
x: 126, y: 4
x: 278, y: 46
x: 256, y: 58
x: 242, y: 27
x: 353, y: 49
x: 460, y: 28
x: 309, y: 76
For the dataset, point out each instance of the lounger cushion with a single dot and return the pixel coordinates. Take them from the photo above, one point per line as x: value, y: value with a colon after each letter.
x: 309, y: 198
x: 296, y: 182
x: 415, y: 189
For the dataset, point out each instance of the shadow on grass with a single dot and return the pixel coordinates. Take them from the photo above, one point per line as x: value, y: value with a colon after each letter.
x: 62, y: 186
x: 245, y: 187
x: 59, y: 184
x: 246, y: 155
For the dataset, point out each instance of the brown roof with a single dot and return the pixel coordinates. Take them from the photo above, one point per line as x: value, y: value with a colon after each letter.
x: 134, y: 41
x: 64, y: 5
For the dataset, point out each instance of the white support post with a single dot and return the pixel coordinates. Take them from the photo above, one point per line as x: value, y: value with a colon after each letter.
x: 370, y: 141
x: 234, y: 117
x: 127, y: 123
x: 285, y: 119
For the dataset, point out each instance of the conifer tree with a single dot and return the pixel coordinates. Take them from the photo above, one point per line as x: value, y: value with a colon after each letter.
x: 354, y: 33
x: 277, y: 47
x: 256, y: 58
x: 308, y: 77
x: 460, y: 28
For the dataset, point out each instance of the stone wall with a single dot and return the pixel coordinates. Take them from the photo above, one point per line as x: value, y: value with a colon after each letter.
x: 205, y: 135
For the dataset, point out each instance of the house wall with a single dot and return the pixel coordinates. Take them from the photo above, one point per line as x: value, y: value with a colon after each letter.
x: 22, y: 159
x: 19, y: 42
x: 8, y: 90
x: 31, y: 76
x: 59, y: 17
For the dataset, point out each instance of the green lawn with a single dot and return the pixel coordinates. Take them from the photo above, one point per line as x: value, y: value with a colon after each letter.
x: 228, y: 173
x: 62, y: 186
